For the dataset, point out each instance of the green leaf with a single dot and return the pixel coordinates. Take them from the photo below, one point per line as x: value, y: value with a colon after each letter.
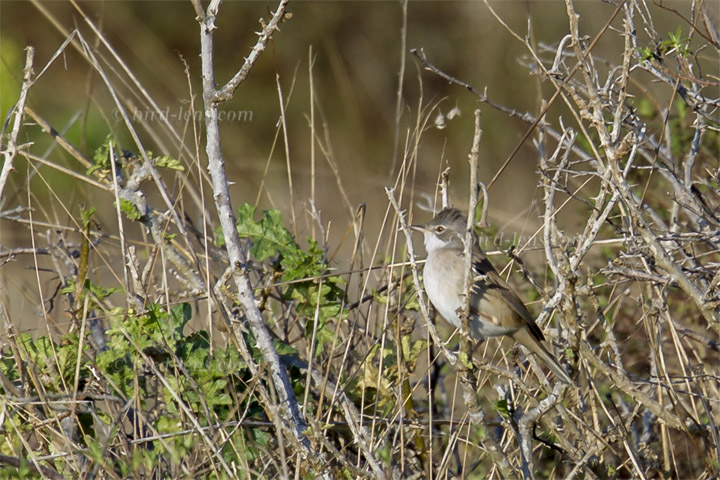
x: 268, y: 236
x: 675, y: 38
x: 501, y: 406
x: 166, y: 161
x: 418, y: 348
x: 383, y: 452
x: 130, y: 210
x: 86, y: 215
x: 465, y: 360
x: 99, y: 292
x: 181, y: 314
x: 101, y: 158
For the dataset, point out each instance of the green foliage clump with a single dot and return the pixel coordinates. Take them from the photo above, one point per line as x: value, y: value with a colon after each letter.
x: 674, y: 43
x: 303, y: 274
x: 151, y: 365
x: 109, y: 151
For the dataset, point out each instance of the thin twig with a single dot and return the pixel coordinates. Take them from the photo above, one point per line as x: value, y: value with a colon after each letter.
x: 11, y: 149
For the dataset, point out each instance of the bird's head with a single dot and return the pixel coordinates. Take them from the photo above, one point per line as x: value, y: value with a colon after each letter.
x: 445, y: 230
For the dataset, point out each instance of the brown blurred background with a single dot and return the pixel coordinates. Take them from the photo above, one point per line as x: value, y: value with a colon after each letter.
x: 357, y: 51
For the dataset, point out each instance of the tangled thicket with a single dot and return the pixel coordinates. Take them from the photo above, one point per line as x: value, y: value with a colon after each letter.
x: 305, y: 371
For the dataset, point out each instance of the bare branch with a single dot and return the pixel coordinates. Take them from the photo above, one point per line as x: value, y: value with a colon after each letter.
x: 290, y: 411
x: 19, y: 110
x: 226, y: 92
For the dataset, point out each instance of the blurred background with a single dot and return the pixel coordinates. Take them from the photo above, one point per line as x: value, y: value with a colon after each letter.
x: 359, y: 60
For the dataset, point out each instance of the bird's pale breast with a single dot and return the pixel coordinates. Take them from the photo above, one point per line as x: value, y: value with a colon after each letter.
x: 442, y: 283
x: 492, y: 316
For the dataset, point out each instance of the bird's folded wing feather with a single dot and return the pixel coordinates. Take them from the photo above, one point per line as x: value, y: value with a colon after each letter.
x: 483, y: 267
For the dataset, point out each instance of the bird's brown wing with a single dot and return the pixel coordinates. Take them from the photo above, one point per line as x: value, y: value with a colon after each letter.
x: 483, y: 267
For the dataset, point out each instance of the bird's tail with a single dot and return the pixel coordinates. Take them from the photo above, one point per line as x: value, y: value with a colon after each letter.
x: 524, y: 337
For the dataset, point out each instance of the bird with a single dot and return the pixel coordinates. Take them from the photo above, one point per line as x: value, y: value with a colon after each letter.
x: 495, y: 309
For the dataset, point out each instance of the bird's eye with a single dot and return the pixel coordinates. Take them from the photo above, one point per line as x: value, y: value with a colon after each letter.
x: 439, y: 229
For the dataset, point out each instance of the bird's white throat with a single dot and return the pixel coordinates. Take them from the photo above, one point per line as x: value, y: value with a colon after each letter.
x: 433, y: 242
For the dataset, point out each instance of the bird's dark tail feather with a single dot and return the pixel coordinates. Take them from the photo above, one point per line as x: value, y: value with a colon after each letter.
x: 523, y: 337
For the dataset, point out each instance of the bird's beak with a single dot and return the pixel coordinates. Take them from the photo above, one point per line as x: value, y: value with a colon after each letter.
x: 418, y: 228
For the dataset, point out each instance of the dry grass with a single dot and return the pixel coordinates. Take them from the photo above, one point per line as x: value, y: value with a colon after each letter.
x: 160, y: 360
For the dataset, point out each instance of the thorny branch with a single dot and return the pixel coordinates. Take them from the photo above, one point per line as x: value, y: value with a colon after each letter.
x: 289, y: 409
x: 666, y: 262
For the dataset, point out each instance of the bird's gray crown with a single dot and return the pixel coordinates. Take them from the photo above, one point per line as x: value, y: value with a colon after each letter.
x: 450, y: 218
x: 446, y: 230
